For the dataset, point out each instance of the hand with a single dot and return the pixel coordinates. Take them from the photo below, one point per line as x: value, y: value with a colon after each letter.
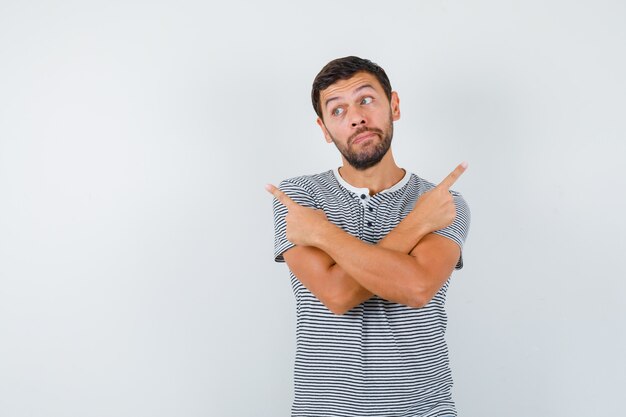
x: 435, y: 209
x: 303, y: 223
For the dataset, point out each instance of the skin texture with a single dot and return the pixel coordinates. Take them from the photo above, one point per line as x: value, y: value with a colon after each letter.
x: 411, y: 263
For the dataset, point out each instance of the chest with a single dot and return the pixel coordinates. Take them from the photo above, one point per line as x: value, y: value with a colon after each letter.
x: 370, y: 218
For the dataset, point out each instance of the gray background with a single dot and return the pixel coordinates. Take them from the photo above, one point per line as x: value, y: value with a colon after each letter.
x: 136, y: 273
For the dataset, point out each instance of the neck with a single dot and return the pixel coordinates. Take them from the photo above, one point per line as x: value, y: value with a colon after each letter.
x: 381, y: 176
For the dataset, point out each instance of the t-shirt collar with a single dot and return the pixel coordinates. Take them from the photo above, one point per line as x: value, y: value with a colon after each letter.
x: 366, y: 191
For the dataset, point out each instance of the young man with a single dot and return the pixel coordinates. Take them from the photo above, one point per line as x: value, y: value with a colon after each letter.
x: 370, y: 249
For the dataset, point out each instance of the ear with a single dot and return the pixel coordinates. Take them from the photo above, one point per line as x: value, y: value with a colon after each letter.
x: 321, y: 124
x: 395, y: 106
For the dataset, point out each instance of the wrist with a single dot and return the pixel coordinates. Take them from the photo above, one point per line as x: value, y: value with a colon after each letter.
x: 320, y: 233
x: 417, y: 225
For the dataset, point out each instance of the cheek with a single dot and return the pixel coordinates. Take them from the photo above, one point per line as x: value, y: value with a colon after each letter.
x: 328, y: 134
x: 334, y: 129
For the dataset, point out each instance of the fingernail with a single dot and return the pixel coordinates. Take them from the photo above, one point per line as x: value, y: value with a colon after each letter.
x: 464, y: 164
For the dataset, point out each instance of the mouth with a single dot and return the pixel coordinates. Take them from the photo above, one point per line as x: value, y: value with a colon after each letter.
x: 363, y: 137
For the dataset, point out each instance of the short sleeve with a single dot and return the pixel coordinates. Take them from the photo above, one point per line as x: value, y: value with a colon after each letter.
x: 298, y: 194
x: 459, y: 229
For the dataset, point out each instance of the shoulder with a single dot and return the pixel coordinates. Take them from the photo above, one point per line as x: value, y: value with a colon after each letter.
x: 418, y: 185
x: 314, y: 180
x: 315, y: 185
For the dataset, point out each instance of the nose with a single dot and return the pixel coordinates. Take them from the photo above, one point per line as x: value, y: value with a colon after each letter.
x: 357, y: 118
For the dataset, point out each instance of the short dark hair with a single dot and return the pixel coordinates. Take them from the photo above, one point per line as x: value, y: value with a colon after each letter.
x: 343, y: 69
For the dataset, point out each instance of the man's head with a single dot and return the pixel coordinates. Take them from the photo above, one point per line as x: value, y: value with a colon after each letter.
x: 343, y: 69
x: 356, y: 109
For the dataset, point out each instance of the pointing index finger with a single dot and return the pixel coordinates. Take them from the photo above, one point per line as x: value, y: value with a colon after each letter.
x: 453, y: 176
x: 279, y: 195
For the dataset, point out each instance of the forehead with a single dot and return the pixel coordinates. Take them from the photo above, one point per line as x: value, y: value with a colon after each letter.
x: 347, y: 87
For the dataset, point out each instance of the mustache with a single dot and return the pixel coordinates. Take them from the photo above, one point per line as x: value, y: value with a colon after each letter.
x: 364, y: 129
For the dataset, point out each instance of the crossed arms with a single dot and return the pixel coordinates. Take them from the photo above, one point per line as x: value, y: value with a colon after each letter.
x: 408, y: 266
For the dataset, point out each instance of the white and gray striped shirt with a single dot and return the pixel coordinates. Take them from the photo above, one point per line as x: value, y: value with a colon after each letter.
x: 380, y: 358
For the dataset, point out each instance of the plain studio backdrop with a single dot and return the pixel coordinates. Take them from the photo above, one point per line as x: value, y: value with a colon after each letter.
x: 136, y: 239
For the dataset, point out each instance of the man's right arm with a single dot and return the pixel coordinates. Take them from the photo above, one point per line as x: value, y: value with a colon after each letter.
x: 319, y: 273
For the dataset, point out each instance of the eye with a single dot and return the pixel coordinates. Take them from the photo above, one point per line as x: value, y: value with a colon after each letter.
x: 366, y: 100
x: 338, y: 111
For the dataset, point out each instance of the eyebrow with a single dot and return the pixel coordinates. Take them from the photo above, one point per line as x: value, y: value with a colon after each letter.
x: 364, y: 86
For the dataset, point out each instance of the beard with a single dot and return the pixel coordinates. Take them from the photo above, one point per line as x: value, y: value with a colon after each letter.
x: 370, y: 154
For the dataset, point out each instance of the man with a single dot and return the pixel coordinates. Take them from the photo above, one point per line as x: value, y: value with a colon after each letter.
x: 370, y: 248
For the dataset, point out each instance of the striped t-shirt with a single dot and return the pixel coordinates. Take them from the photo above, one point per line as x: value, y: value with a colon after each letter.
x: 381, y: 358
